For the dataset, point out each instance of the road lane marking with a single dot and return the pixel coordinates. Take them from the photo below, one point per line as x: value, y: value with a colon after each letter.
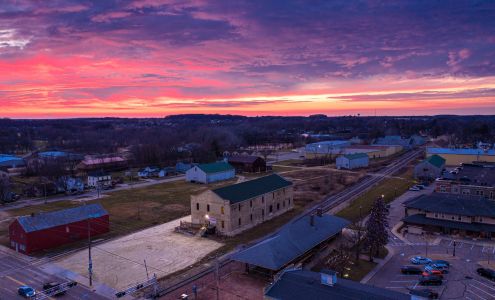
x: 403, y: 280
x: 476, y: 294
x: 472, y: 247
x: 484, y: 284
x: 15, y: 280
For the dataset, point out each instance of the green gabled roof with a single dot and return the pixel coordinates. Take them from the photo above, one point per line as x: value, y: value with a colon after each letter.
x: 252, y: 188
x: 215, y: 167
x: 355, y: 155
x: 436, y: 160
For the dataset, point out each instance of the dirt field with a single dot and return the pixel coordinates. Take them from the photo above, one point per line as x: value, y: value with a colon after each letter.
x: 120, y: 262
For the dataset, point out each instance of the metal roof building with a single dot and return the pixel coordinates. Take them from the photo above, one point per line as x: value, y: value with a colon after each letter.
x: 292, y: 241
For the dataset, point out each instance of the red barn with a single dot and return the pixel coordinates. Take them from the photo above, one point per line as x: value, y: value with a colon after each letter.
x: 42, y: 231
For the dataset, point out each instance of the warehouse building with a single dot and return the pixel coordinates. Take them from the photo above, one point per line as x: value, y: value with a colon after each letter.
x: 235, y: 208
x: 352, y: 161
x: 325, y: 148
x: 41, y: 231
x: 456, y: 157
x: 212, y: 172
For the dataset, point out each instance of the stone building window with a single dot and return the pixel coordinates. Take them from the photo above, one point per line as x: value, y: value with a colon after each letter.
x: 239, y: 221
x: 278, y: 206
x: 207, y: 207
x: 222, y: 210
x: 197, y: 206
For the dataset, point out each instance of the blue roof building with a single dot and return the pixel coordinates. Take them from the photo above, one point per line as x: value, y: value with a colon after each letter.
x: 11, y: 161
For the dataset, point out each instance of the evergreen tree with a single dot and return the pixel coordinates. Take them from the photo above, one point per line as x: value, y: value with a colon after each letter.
x: 376, y: 228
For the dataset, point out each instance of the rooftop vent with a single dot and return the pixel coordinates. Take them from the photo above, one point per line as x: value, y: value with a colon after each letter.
x: 328, y: 277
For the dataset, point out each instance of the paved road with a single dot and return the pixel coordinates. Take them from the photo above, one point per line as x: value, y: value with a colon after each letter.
x: 15, y: 272
x: 90, y: 195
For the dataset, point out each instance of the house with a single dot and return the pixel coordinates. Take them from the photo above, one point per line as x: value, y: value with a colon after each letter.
x: 212, y: 172
x: 450, y: 214
x: 352, y: 161
x: 48, y: 230
x: 458, y: 156
x: 325, y: 148
x: 240, y: 206
x: 71, y: 184
x: 149, y: 172
x: 107, y: 163
x: 99, y: 179
x: 293, y: 241
x: 430, y: 168
x: 476, y: 179
x: 296, y: 284
x: 247, y: 163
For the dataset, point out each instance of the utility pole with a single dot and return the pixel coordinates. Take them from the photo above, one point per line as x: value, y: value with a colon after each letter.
x: 453, y: 254
x: 90, y: 262
x: 217, y: 278
x: 146, y: 267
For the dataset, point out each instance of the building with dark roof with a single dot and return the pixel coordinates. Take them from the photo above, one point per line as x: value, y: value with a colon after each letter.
x: 240, y: 206
x: 295, y: 284
x: 476, y: 179
x: 247, y: 163
x: 46, y: 230
x: 292, y: 242
x: 450, y: 214
x: 212, y: 172
x: 430, y: 168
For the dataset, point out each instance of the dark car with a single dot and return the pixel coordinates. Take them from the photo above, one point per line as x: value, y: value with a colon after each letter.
x: 430, y: 280
x: 425, y: 293
x: 442, y: 263
x: 26, y: 291
x: 53, y: 289
x: 487, y: 273
x: 410, y: 270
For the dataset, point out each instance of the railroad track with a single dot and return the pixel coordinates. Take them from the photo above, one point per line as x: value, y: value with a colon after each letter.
x: 327, y: 204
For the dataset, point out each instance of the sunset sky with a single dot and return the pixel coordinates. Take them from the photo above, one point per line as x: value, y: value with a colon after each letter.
x: 152, y: 58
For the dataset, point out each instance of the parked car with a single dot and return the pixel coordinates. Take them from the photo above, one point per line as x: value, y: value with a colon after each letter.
x: 26, y: 291
x: 487, y: 273
x: 442, y: 263
x: 410, y: 270
x: 420, y: 186
x: 441, y: 268
x: 432, y: 272
x: 53, y: 288
x: 430, y: 280
x: 425, y: 293
x: 420, y: 260
x: 414, y: 188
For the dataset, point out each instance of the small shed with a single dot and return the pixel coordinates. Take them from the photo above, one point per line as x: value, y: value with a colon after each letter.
x: 47, y: 230
x: 352, y: 161
x: 212, y: 172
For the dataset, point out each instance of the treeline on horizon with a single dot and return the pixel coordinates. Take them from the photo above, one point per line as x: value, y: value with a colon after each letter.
x: 201, y: 138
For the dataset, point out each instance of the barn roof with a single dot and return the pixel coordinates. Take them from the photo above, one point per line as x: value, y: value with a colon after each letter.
x: 252, y: 188
x: 52, y: 219
x: 436, y: 160
x: 215, y: 167
x: 244, y: 159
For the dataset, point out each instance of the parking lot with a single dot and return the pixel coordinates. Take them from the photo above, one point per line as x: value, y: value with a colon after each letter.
x: 461, y: 282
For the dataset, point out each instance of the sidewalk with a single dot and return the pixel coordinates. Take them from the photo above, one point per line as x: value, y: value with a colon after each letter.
x: 381, y: 263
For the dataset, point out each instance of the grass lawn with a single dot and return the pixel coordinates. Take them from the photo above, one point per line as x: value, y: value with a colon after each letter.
x: 284, y: 168
x: 357, y: 270
x: 391, y: 188
x: 135, y: 209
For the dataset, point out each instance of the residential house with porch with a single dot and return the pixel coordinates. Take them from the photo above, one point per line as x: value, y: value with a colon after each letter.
x: 462, y: 215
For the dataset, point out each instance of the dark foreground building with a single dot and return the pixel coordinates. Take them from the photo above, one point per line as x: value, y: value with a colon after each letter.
x: 42, y: 231
x: 247, y: 163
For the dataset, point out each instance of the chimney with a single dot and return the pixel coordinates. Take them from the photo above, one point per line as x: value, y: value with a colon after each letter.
x: 319, y: 211
x: 328, y: 277
x: 312, y: 220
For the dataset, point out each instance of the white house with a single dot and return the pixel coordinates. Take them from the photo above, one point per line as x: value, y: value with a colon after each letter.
x: 352, y: 161
x: 99, y: 179
x: 212, y: 172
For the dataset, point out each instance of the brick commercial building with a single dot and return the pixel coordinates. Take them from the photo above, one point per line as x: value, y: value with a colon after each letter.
x: 247, y: 163
x: 450, y: 214
x: 240, y: 206
x: 42, y: 231
x: 476, y: 179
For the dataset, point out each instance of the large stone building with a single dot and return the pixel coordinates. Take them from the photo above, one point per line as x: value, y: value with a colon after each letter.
x: 240, y: 206
x: 456, y: 157
x: 469, y: 179
x: 450, y: 214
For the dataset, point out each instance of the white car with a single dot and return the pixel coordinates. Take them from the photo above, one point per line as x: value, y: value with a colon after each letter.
x: 414, y: 188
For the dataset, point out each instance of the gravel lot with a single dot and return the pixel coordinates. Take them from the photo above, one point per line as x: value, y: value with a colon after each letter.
x: 120, y: 262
